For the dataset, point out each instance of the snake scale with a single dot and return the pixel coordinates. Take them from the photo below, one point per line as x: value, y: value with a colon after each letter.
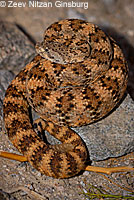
x: 78, y: 76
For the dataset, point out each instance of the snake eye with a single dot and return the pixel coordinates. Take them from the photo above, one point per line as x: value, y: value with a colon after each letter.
x: 46, y: 49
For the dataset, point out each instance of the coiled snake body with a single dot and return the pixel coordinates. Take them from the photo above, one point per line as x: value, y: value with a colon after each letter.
x: 78, y: 76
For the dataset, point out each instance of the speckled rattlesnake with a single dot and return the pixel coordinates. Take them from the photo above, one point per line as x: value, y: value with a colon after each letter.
x: 78, y: 77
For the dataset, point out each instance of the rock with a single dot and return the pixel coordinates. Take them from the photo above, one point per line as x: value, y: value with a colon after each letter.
x: 5, y: 79
x: 15, y: 47
x: 112, y: 136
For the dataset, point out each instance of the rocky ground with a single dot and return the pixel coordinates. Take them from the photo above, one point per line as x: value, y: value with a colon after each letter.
x: 20, y: 29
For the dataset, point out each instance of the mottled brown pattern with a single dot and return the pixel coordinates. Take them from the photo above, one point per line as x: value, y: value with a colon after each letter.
x: 78, y: 77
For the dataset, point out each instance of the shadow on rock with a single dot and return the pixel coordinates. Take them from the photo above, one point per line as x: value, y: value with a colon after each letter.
x: 128, y: 51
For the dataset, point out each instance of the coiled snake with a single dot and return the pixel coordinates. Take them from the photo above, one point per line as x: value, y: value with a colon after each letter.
x: 78, y: 77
